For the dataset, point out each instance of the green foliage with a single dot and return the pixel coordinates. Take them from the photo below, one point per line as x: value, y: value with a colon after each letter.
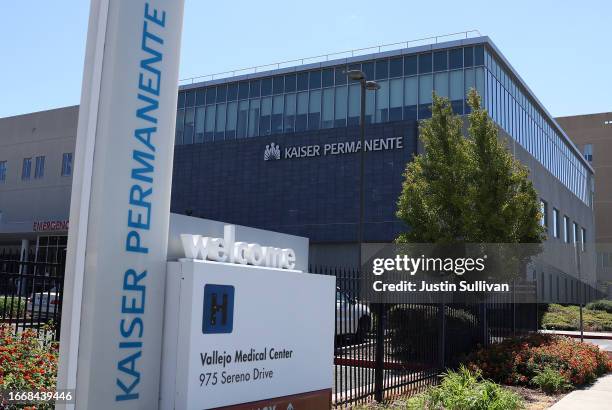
x: 466, y: 189
x: 604, y: 305
x: 559, y: 317
x: 412, y: 328
x: 550, y: 381
x: 466, y: 390
x: 12, y: 305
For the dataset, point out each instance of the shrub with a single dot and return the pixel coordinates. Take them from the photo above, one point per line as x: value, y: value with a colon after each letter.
x: 518, y: 360
x: 27, y: 362
x: 605, y: 305
x: 550, y: 381
x: 466, y: 390
x: 413, y: 329
x: 12, y: 305
x: 560, y: 317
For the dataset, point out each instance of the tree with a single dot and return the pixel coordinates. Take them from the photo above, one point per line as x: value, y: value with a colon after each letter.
x: 467, y: 189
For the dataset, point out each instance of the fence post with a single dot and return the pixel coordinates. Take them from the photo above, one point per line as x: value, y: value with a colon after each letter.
x: 380, y: 353
x: 442, y: 343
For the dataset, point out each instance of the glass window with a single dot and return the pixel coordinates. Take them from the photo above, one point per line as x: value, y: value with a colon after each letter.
x: 200, y: 96
x: 382, y: 102
x: 425, y: 91
x: 243, y: 118
x: 555, y: 222
x: 456, y: 91
x: 468, y: 56
x: 382, y: 69
x: 232, y: 92
x: 455, y: 58
x: 479, y: 55
x: 2, y: 171
x: 230, y: 126
x: 328, y: 108
x: 588, y: 152
x: 440, y: 60
x: 340, y: 74
x: 566, y: 229
x: 396, y: 99
x: 209, y: 123
x: 178, y: 135
x: 266, y: 88
x: 370, y: 100
x: 301, y: 120
x: 254, y: 118
x: 314, y: 79
x: 190, y: 98
x: 255, y: 88
x: 266, y: 113
x: 583, y: 239
x: 199, y: 125
x: 220, y: 128
x: 66, y: 164
x: 368, y: 70
x: 211, y: 95
x: 26, y: 169
x: 425, y: 63
x: 278, y: 86
x: 277, y: 113
x: 396, y: 67
x: 411, y: 88
x: 328, y: 77
x: 441, y: 84
x: 480, y: 81
x: 354, y: 105
x: 410, y: 65
x: 575, y: 232
x: 189, y: 125
x: 302, y: 81
x: 290, y: 112
x: 341, y: 101
x: 243, y: 90
x: 544, y: 213
x: 290, y: 83
x: 470, y: 82
x: 180, y: 102
x: 314, y: 109
x: 221, y: 93
x: 39, y: 167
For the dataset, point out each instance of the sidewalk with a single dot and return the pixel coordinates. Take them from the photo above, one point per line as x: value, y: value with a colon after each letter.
x: 573, y: 333
x: 596, y: 397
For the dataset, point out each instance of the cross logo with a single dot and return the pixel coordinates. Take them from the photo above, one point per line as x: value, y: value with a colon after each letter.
x: 272, y: 152
x: 218, y: 314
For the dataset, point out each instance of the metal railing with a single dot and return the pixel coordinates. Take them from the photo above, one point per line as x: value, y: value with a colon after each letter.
x: 326, y: 57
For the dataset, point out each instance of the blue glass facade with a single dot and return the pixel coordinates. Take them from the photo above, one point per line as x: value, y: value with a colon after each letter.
x: 224, y: 126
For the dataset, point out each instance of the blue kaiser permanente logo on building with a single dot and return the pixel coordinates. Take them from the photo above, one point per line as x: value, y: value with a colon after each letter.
x: 218, y: 309
x: 272, y: 152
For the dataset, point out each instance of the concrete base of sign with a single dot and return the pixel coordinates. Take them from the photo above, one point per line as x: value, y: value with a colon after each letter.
x: 316, y: 400
x: 236, y: 334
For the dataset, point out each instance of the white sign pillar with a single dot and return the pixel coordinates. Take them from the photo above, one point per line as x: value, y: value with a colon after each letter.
x: 111, y: 332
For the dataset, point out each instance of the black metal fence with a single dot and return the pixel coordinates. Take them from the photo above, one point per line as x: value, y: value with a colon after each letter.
x: 384, y: 350
x: 31, y: 293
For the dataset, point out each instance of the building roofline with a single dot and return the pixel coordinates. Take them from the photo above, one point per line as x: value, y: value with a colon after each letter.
x: 40, y: 112
x: 484, y: 40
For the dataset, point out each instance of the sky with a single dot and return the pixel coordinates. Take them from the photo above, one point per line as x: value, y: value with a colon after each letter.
x: 560, y: 48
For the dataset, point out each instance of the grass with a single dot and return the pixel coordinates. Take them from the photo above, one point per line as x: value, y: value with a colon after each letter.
x: 559, y: 317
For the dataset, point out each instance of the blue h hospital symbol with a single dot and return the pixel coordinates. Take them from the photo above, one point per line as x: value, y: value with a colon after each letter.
x: 218, y: 315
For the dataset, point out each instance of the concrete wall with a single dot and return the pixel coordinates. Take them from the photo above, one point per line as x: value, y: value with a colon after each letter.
x: 593, y: 129
x: 50, y: 133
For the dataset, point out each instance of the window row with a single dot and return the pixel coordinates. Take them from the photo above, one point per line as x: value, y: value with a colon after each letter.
x: 572, y: 231
x: 397, y: 99
x: 515, y: 113
x: 38, y: 169
x: 381, y: 69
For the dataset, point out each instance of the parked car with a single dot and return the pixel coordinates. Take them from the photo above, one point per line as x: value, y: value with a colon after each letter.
x: 353, y: 319
x: 44, y: 304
